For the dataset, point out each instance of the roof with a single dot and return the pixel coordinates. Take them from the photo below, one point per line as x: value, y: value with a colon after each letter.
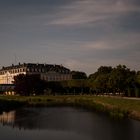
x: 47, y: 67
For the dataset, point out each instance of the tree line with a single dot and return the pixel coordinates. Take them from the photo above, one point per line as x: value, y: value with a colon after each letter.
x: 107, y: 80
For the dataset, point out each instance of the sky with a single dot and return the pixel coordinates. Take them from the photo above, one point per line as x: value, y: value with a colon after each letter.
x: 79, y: 34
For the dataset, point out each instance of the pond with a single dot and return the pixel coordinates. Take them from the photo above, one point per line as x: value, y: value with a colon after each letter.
x: 64, y: 123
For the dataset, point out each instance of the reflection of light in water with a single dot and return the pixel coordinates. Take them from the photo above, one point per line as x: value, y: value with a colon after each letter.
x: 7, y: 117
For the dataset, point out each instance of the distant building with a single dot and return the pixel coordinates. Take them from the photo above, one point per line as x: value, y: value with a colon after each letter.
x: 7, y: 89
x: 47, y: 72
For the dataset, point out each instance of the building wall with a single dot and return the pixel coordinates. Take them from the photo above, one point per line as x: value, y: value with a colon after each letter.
x: 47, y: 72
x: 7, y: 76
x: 55, y: 76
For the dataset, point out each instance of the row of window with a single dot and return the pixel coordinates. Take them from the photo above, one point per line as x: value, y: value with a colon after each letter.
x: 6, y: 80
x: 13, y: 71
x: 35, y: 70
x: 29, y: 70
x: 44, y: 70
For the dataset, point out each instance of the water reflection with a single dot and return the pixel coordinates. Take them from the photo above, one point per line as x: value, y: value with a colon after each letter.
x: 70, y: 122
x: 7, y: 118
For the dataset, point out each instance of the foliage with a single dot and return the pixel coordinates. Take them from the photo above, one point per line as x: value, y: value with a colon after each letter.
x: 68, y: 87
x: 29, y: 84
x: 118, y: 80
x: 78, y: 75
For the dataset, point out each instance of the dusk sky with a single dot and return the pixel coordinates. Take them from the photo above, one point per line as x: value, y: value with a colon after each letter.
x: 79, y: 34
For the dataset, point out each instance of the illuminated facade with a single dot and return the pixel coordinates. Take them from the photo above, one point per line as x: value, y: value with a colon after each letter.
x: 47, y: 72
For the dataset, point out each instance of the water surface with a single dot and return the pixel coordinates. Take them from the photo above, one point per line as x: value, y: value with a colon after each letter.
x: 64, y: 123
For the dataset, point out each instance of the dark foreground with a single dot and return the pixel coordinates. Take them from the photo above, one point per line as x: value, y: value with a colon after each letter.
x: 65, y: 123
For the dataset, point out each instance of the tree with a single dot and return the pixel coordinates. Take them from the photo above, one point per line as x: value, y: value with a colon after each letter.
x: 104, y: 70
x: 115, y: 80
x: 121, y: 79
x: 98, y: 81
x: 29, y: 84
x: 78, y: 75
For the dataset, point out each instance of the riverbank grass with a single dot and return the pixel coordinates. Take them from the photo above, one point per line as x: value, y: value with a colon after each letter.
x: 116, y: 107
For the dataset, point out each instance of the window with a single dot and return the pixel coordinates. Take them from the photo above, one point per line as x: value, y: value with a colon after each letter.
x: 28, y: 70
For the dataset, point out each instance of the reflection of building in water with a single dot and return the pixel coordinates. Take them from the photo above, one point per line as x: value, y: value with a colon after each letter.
x: 7, y: 117
x: 21, y: 119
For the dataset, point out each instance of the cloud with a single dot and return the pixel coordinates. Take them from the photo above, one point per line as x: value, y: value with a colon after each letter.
x: 115, y: 42
x: 123, y: 49
x: 89, y: 11
x: 85, y: 66
x: 81, y: 34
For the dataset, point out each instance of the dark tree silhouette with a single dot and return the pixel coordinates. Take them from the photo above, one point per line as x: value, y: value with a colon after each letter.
x: 29, y: 84
x: 78, y: 75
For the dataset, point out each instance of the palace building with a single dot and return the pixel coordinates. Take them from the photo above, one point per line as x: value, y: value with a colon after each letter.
x: 47, y: 72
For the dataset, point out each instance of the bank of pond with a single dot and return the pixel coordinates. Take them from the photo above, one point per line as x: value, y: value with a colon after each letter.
x: 115, y: 107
